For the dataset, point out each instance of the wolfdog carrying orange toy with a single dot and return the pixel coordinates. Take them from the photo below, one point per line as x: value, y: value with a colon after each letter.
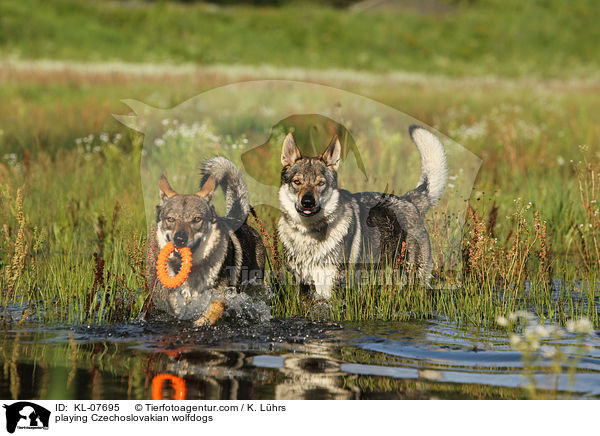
x: 184, y: 271
x: 217, y: 252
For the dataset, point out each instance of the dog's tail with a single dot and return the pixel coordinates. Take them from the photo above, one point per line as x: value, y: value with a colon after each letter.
x: 434, y: 170
x: 227, y: 176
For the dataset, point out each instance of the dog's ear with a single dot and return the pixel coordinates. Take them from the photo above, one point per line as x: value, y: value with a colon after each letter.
x: 166, y: 191
x: 289, y: 152
x: 331, y: 156
x: 208, y: 188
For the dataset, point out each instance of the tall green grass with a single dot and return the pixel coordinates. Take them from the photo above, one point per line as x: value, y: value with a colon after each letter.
x: 84, y: 197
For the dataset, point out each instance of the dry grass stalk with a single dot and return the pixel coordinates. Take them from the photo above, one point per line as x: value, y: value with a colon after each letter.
x: 588, y: 177
x: 272, y: 246
x: 136, y: 255
x: 19, y: 252
x: 544, y: 250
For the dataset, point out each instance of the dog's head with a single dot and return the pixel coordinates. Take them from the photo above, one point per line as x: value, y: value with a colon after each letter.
x: 184, y: 220
x: 308, y: 183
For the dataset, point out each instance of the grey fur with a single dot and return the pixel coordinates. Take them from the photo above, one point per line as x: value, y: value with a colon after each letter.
x: 226, y: 252
x: 229, y: 178
x: 343, y: 228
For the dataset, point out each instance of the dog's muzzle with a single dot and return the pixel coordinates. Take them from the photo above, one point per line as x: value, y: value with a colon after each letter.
x: 308, y: 206
x: 180, y: 238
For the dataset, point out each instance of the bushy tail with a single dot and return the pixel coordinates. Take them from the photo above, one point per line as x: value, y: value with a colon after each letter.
x: 231, y: 181
x: 434, y: 170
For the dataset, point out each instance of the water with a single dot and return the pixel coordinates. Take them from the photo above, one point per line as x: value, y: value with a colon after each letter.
x: 278, y: 359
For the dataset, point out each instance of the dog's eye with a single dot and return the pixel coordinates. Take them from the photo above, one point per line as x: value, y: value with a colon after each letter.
x: 196, y: 219
x: 321, y: 183
x: 296, y: 182
x: 170, y: 219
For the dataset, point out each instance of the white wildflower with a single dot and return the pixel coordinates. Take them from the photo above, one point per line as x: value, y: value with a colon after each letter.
x: 582, y: 326
x: 515, y: 340
x: 541, y: 331
x: 502, y: 321
x: 429, y: 374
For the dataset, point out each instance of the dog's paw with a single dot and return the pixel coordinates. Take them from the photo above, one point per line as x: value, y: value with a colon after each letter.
x: 202, y: 321
x: 213, y: 314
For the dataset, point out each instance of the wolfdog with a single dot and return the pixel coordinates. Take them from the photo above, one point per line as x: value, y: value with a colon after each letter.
x: 224, y: 249
x: 324, y: 229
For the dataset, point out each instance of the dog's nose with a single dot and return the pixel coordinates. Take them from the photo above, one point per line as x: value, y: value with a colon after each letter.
x: 180, y: 238
x: 308, y: 201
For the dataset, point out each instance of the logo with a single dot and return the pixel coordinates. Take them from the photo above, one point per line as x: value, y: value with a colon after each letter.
x: 26, y: 415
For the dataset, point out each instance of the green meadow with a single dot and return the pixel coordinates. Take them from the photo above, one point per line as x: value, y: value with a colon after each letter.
x: 518, y: 86
x: 508, y: 38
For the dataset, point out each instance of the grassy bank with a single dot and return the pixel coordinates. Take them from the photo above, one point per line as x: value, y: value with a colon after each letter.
x: 74, y: 231
x: 549, y: 38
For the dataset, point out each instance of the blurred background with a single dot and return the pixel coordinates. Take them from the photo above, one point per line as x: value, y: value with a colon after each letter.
x: 65, y: 64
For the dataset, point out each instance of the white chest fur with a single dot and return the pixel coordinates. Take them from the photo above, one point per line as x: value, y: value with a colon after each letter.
x: 315, y: 256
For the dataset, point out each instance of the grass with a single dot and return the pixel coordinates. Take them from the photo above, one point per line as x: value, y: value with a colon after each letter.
x: 455, y: 38
x: 90, y: 194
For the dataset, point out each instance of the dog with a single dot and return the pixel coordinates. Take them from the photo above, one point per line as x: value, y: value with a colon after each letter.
x: 324, y: 229
x: 226, y: 251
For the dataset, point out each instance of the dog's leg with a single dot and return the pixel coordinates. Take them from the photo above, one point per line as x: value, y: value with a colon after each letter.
x: 324, y: 281
x: 212, y: 315
x: 419, y: 263
x: 412, y: 255
x: 425, y: 259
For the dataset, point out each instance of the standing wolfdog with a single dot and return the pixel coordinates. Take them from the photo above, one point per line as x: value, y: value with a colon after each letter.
x: 323, y: 229
x: 224, y: 249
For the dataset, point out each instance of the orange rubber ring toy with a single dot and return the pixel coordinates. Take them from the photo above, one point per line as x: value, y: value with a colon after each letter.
x: 184, y: 271
x: 177, y: 383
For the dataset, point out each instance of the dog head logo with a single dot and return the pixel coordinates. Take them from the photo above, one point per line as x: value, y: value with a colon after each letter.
x: 26, y: 415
